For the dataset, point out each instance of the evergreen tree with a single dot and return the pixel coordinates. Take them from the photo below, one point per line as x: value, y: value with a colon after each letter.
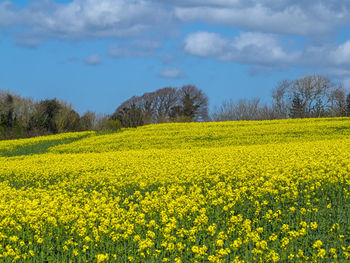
x: 348, y: 105
x: 297, y: 109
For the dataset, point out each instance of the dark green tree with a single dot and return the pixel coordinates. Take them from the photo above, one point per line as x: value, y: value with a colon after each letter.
x: 348, y: 105
x: 45, y: 116
x: 7, y: 115
x: 297, y: 109
x: 132, y: 116
x: 194, y: 103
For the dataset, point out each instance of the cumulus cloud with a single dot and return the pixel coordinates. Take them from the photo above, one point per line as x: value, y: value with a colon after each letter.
x: 205, y: 44
x: 262, y: 45
x: 308, y: 18
x: 93, y: 60
x: 331, y: 58
x: 226, y: 3
x: 341, y: 55
x: 27, y: 40
x: 266, y: 51
x: 83, y: 19
x: 246, y: 48
x: 89, y: 19
x: 172, y: 73
x: 346, y: 81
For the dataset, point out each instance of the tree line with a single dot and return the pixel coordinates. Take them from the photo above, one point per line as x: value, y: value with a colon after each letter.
x: 169, y: 104
x: 310, y: 96
x: 22, y: 117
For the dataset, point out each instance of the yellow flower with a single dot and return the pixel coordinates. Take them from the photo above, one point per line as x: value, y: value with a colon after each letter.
x: 285, y: 242
x: 317, y: 244
x: 203, y: 250
x: 212, y: 229
x: 87, y: 239
x: 219, y: 242
x: 102, y: 257
x: 171, y: 247
x: 313, y: 225
x: 14, y: 239
x: 321, y: 253
x: 260, y: 229
x: 333, y: 251
x: 195, y: 249
x: 263, y: 245
x: 151, y: 234
x: 285, y: 228
x: 273, y: 256
x: 236, y: 244
x: 273, y: 237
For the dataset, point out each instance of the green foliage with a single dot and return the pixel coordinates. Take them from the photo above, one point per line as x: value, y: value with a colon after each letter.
x: 45, y: 118
x: 132, y: 116
x: 114, y: 125
x: 297, y: 109
x: 39, y: 147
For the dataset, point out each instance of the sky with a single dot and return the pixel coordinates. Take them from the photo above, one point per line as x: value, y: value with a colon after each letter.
x: 95, y: 54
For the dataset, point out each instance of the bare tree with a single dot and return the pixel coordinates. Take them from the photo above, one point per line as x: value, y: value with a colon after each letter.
x: 281, y: 103
x: 15, y: 115
x: 314, y: 93
x: 242, y: 110
x: 165, y: 99
x: 24, y: 110
x: 310, y: 96
x: 338, y: 102
x: 163, y: 105
x: 88, y: 121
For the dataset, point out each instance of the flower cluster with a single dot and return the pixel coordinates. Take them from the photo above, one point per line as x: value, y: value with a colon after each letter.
x: 274, y: 191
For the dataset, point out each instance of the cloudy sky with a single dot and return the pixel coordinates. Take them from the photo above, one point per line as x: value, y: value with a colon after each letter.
x: 97, y: 53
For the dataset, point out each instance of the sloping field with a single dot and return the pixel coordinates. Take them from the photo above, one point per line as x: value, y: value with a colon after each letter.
x: 269, y: 191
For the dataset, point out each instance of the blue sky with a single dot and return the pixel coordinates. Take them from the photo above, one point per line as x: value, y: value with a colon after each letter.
x: 97, y: 53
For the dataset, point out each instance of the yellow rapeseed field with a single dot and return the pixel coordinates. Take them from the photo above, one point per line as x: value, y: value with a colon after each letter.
x: 259, y: 191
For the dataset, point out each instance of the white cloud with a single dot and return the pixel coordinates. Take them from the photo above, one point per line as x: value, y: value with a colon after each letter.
x: 205, y: 44
x: 173, y: 73
x: 95, y: 19
x: 341, y: 55
x: 281, y: 17
x: 266, y: 52
x: 93, y: 60
x: 346, y: 81
x: 7, y: 14
x: 246, y: 48
x: 226, y: 3
x: 130, y: 22
x: 116, y: 19
x: 27, y: 40
x: 84, y: 19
